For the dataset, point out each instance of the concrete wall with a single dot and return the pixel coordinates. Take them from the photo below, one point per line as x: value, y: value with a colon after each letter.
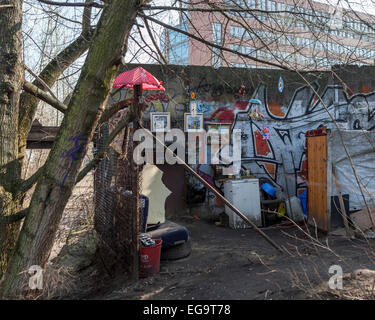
x: 289, y: 104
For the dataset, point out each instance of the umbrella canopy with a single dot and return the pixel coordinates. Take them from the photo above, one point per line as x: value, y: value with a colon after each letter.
x: 138, y: 76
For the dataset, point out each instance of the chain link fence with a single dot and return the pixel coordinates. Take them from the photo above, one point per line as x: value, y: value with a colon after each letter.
x: 117, y: 202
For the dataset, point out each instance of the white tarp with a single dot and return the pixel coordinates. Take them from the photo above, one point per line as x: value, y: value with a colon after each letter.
x: 361, y: 147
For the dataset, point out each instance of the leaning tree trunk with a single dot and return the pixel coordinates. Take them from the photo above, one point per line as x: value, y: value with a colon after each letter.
x: 11, y: 79
x: 61, y: 169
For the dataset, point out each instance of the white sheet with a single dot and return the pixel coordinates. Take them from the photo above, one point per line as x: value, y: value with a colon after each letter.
x: 156, y: 191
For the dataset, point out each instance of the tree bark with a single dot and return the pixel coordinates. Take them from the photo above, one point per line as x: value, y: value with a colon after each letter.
x: 12, y: 136
x: 52, y: 71
x: 11, y: 77
x: 61, y: 168
x: 42, y: 95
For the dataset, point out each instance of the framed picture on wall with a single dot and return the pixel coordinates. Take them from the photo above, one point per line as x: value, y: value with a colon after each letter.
x: 217, y: 128
x: 193, y: 122
x: 160, y: 121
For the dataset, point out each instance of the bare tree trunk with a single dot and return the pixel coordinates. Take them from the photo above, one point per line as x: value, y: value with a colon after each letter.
x: 61, y: 169
x: 11, y: 78
x: 23, y: 112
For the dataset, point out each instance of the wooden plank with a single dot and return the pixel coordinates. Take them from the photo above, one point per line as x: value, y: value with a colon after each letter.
x: 329, y: 179
x: 41, y: 137
x: 362, y: 220
x: 317, y: 181
x: 39, y: 145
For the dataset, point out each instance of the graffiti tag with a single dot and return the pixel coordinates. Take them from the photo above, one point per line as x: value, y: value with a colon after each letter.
x: 75, y: 153
x: 157, y: 96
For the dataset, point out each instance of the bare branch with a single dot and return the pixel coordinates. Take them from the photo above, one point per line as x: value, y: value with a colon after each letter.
x: 109, y: 112
x: 42, y: 95
x: 75, y: 4
x: 209, y: 43
x: 50, y: 74
x: 192, y: 9
x: 28, y: 183
x: 16, y: 217
x: 37, y: 78
x: 154, y: 42
x: 86, y: 17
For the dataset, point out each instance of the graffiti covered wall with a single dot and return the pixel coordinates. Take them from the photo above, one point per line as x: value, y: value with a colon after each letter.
x: 304, y: 112
x: 290, y: 107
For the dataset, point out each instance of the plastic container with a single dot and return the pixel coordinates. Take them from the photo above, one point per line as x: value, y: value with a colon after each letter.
x: 303, y: 198
x: 294, y: 209
x: 149, y: 263
x: 269, y: 189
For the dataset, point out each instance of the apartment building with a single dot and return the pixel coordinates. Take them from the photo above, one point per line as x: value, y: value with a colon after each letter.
x: 302, y: 34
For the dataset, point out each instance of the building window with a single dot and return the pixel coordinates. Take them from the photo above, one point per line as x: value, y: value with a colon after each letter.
x: 271, y: 5
x: 216, y: 33
x: 252, y: 4
x: 262, y: 4
x: 216, y: 39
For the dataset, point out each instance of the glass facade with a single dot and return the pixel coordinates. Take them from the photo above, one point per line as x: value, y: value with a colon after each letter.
x: 216, y: 39
x: 307, y: 38
x: 175, y: 46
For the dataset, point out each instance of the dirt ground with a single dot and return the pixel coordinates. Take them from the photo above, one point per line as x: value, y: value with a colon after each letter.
x: 240, y: 264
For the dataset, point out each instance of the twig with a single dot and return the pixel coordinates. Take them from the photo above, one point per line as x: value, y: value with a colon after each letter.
x: 75, y: 4
x: 40, y: 81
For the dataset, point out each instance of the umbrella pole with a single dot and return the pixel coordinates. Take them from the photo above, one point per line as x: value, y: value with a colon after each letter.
x: 137, y: 123
x: 137, y: 93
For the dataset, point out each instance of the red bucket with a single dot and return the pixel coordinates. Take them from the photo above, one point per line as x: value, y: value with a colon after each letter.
x: 149, y: 263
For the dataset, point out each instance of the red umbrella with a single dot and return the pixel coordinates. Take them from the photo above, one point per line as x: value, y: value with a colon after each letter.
x: 138, y: 77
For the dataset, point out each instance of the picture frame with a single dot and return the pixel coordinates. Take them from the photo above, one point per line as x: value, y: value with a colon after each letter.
x: 160, y: 121
x: 193, y: 122
x: 219, y: 128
